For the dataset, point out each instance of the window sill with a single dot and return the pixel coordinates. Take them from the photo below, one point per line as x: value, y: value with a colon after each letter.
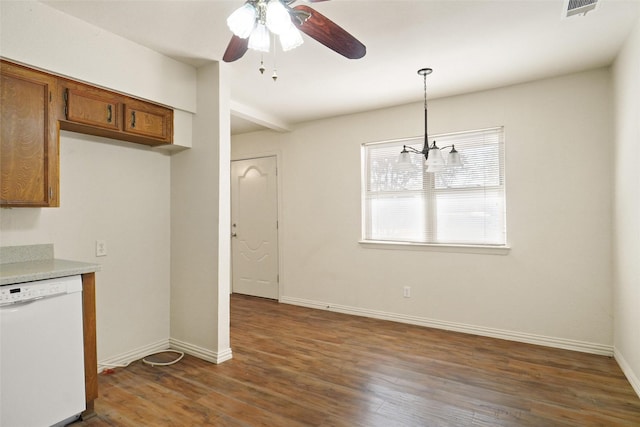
x: 469, y: 249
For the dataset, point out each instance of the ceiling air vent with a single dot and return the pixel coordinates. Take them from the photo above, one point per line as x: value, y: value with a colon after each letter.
x: 578, y: 7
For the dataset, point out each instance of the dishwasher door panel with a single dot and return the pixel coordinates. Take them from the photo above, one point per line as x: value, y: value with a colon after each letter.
x: 41, y: 361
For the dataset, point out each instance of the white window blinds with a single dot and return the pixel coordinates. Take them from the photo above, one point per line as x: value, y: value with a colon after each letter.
x: 460, y: 206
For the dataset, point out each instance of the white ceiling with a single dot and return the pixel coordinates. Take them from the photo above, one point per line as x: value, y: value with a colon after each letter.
x: 471, y: 45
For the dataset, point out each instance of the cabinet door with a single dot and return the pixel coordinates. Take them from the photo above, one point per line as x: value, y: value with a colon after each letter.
x: 91, y: 106
x: 144, y: 119
x: 29, y: 159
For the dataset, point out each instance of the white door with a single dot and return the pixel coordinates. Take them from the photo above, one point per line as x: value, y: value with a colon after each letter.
x: 254, y: 227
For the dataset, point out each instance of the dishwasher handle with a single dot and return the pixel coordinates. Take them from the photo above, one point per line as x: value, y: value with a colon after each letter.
x: 24, y: 302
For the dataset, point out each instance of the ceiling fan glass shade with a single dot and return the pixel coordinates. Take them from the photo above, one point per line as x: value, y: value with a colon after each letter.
x: 242, y: 21
x: 291, y: 38
x: 259, y: 39
x: 454, y: 159
x: 435, y: 156
x: 278, y: 19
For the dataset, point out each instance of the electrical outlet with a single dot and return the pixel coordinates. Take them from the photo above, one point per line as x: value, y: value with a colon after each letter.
x: 101, y: 248
x: 406, y: 292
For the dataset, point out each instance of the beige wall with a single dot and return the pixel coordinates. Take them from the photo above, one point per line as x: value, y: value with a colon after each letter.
x: 200, y: 226
x: 109, y: 190
x: 627, y: 209
x: 117, y: 192
x: 41, y: 36
x: 37, y: 35
x: 123, y: 192
x: 554, y: 287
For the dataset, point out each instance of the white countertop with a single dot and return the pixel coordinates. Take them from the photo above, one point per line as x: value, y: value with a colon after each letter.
x: 35, y: 268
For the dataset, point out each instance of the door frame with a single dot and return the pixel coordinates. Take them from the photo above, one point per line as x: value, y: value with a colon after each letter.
x: 278, y: 155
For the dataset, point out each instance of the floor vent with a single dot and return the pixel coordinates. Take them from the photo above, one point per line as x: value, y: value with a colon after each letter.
x: 578, y: 7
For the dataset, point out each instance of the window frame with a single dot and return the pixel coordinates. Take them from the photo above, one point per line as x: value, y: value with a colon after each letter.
x: 430, y: 181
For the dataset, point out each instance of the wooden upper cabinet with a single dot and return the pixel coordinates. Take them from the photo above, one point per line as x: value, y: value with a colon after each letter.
x: 95, y: 111
x: 29, y: 159
x: 149, y: 120
x: 35, y: 105
x: 90, y: 106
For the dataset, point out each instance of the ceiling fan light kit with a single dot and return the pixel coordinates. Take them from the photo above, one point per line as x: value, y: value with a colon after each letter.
x: 256, y: 19
x: 254, y: 22
x: 432, y: 154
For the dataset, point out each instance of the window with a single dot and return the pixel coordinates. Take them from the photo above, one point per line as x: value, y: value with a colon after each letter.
x: 460, y: 206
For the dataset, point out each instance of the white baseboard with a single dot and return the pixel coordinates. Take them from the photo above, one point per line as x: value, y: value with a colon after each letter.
x: 585, y: 347
x: 628, y: 372
x: 200, y: 352
x: 126, y: 358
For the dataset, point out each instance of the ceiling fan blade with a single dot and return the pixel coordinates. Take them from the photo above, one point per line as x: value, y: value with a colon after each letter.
x: 329, y: 34
x: 236, y: 49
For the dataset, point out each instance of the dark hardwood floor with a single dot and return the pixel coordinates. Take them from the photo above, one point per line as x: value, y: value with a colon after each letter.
x: 294, y: 366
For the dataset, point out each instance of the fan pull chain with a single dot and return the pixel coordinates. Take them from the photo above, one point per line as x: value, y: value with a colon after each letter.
x: 275, y: 48
x: 261, y: 69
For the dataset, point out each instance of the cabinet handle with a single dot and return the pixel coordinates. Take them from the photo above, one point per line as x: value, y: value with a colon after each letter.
x: 109, y: 113
x: 66, y: 104
x: 133, y: 119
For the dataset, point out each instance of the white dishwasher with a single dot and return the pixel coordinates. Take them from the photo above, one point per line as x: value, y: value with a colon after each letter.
x: 41, y: 353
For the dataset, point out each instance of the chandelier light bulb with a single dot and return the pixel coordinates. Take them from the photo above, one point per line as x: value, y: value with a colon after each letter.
x: 291, y: 38
x: 278, y: 19
x: 435, y: 157
x: 242, y: 21
x: 259, y: 39
x: 454, y: 159
x: 404, y: 158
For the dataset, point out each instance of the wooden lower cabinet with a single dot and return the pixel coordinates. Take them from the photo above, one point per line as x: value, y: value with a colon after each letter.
x: 29, y: 159
x: 90, y: 347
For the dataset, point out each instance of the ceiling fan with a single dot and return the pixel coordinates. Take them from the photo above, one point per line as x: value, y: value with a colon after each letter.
x: 252, y: 22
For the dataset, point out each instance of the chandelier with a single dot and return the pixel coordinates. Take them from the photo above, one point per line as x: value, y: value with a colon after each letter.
x: 432, y: 154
